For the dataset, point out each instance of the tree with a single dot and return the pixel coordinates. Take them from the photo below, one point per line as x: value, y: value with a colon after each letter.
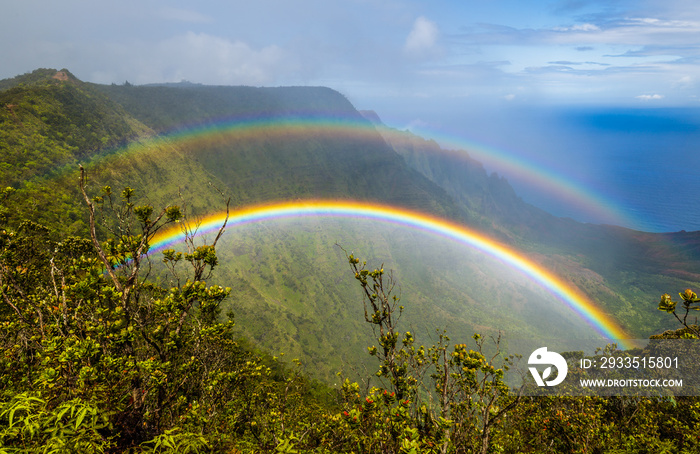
x: 83, y: 325
x: 104, y: 351
x: 437, y: 399
x: 691, y: 302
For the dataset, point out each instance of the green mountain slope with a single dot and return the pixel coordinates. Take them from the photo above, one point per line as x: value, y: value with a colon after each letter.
x: 300, y: 162
x: 292, y: 290
x: 55, y: 121
x: 50, y: 122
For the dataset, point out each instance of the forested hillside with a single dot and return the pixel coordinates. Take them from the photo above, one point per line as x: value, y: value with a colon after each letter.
x: 259, y: 145
x: 301, y: 159
x: 112, y: 347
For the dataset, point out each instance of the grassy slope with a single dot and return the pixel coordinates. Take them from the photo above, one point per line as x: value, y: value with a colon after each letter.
x: 294, y: 292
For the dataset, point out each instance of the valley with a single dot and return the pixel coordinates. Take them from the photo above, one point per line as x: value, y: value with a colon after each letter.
x: 292, y: 288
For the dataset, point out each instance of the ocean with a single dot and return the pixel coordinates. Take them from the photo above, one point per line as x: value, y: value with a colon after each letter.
x: 641, y: 166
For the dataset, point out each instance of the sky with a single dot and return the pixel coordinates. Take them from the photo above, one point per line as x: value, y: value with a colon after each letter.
x: 465, y: 72
x: 487, y: 51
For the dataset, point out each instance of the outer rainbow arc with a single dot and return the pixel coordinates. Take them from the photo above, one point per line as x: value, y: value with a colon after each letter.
x: 259, y: 126
x: 602, y: 323
x: 509, y: 163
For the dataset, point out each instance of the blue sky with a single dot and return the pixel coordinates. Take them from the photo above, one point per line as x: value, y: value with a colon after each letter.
x: 487, y: 51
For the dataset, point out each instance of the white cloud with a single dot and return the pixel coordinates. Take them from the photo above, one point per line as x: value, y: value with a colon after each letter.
x: 684, y: 82
x: 509, y: 97
x: 197, y: 57
x: 579, y: 28
x: 649, y: 97
x: 422, y: 39
x: 210, y: 59
x: 664, y: 24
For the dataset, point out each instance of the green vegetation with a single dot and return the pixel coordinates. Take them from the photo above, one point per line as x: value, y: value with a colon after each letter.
x: 108, y: 347
x: 98, y: 357
x: 50, y: 123
x: 690, y: 302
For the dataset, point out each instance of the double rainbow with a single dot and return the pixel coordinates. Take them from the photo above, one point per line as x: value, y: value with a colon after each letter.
x: 566, y: 293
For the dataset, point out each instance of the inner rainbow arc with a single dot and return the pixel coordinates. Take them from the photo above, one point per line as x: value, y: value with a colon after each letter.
x: 565, y: 292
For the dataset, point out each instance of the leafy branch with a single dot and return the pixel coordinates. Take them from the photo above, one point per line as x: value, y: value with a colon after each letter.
x: 690, y: 302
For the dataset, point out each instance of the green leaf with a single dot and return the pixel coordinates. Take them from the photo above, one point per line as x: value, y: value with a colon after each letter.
x: 62, y: 412
x: 81, y: 416
x: 12, y: 412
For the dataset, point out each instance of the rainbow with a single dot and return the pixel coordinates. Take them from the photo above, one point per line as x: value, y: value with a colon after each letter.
x: 299, y: 123
x: 601, y: 322
x: 291, y: 126
x: 603, y: 209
